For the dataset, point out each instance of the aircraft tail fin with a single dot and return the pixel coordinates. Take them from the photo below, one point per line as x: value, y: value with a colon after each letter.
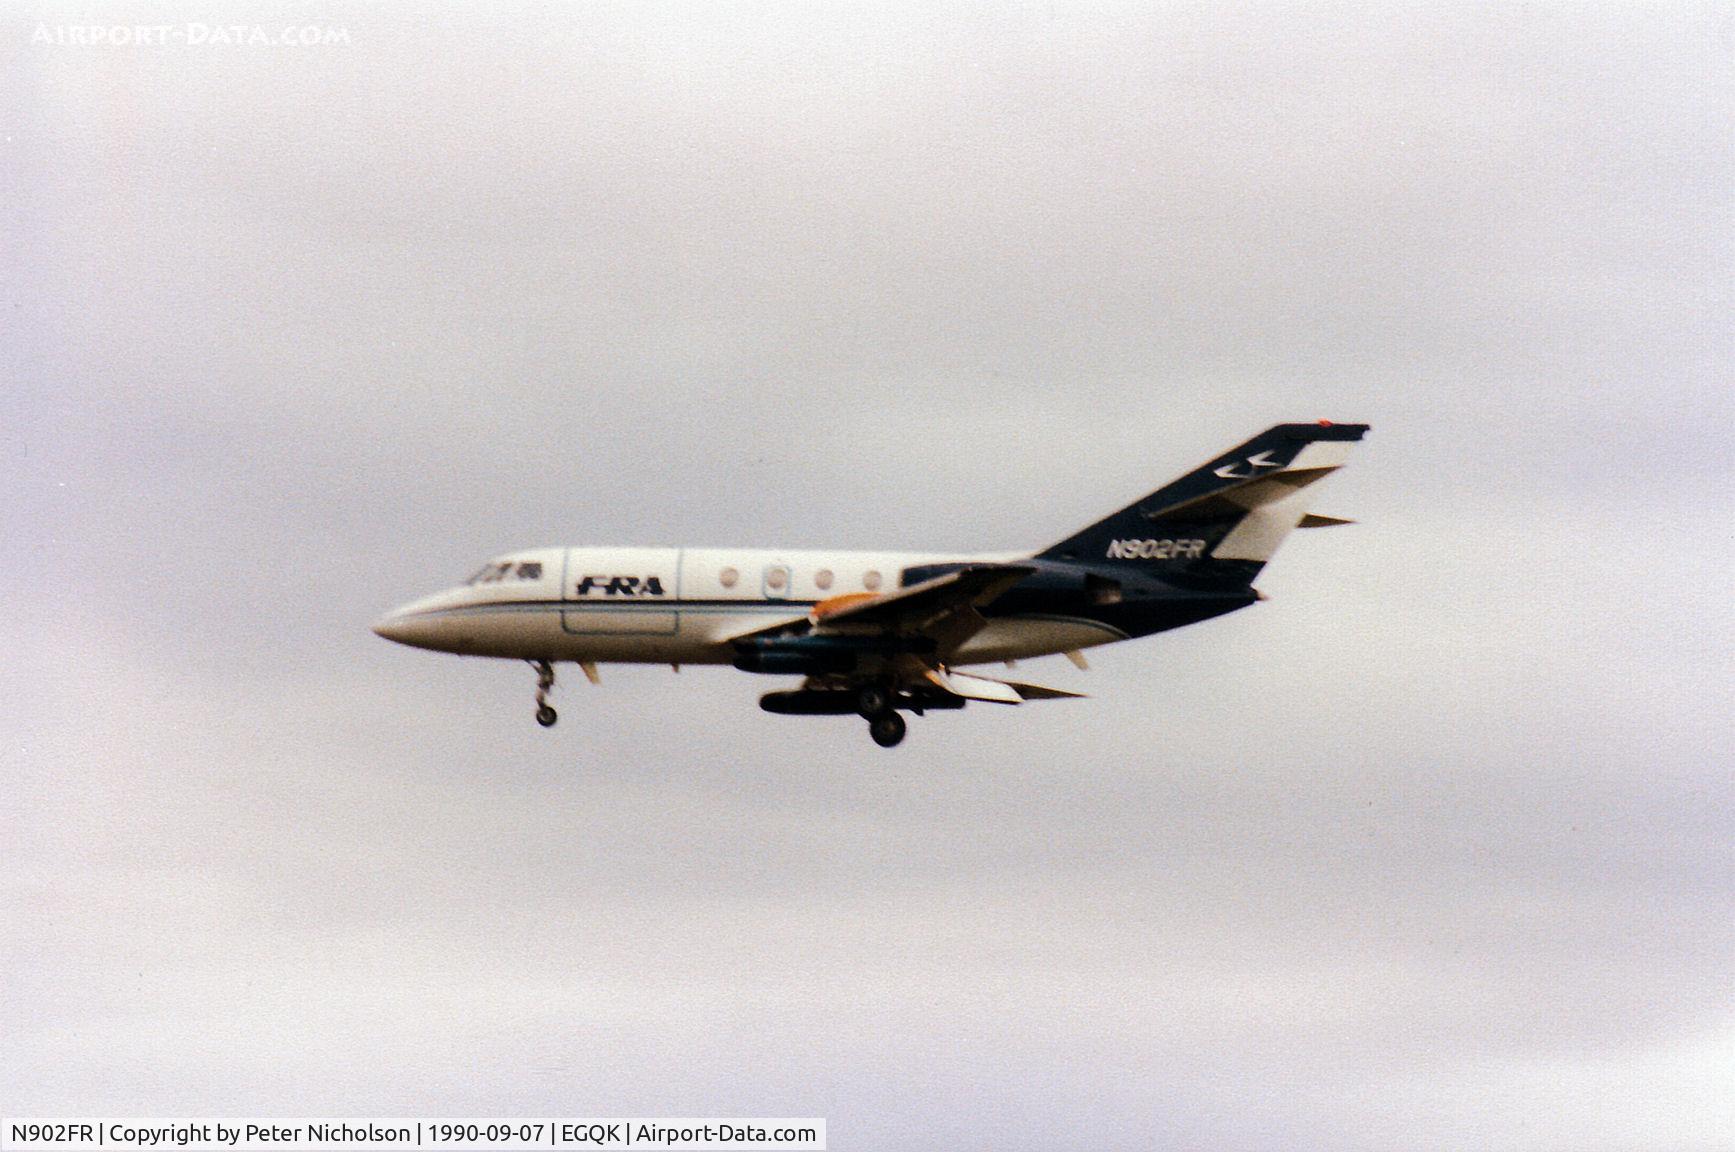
x: 1217, y: 525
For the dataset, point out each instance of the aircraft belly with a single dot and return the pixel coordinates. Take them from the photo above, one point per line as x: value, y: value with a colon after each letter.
x: 523, y: 632
x: 1024, y: 637
x: 618, y: 622
x: 687, y: 635
x: 557, y: 631
x: 639, y: 650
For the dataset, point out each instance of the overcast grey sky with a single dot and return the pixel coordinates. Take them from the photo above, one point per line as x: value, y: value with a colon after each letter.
x: 1431, y: 851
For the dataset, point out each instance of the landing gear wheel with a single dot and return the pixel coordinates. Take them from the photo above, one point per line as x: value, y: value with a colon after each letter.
x: 887, y: 730
x: 545, y: 715
x: 872, y: 700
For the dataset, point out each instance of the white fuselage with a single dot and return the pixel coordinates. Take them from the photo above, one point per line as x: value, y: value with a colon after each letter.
x: 683, y: 605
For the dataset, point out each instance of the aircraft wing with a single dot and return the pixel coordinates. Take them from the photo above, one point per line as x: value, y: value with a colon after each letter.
x: 942, y: 609
x: 916, y: 628
x: 919, y: 607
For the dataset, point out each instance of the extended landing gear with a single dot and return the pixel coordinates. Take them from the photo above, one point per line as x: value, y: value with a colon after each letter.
x: 887, y: 729
x: 873, y: 699
x: 877, y: 701
x: 545, y: 713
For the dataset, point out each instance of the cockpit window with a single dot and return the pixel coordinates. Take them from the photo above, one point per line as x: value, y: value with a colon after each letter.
x: 498, y: 570
x: 491, y: 573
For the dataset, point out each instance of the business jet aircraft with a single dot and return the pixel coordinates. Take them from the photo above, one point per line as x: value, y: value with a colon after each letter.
x: 874, y: 633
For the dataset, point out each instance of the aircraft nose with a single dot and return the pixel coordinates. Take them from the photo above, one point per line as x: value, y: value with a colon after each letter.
x: 424, y: 623
x: 392, y: 626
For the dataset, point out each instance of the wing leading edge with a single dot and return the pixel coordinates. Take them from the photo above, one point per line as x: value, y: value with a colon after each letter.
x: 942, y: 609
x: 914, y: 629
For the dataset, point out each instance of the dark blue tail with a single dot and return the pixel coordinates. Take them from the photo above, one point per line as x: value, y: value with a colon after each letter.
x: 1217, y: 526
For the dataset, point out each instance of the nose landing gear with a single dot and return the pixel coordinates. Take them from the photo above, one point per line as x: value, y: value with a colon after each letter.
x: 545, y: 713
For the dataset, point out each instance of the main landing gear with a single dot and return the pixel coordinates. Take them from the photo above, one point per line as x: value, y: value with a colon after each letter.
x: 545, y: 713
x: 878, y: 704
x: 873, y: 699
x: 887, y: 729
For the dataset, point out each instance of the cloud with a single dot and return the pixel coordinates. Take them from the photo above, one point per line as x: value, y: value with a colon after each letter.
x: 1430, y: 849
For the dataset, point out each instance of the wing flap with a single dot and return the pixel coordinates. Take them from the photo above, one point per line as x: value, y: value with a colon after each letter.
x: 969, y: 686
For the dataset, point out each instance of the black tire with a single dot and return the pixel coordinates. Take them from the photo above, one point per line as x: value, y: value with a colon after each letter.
x: 887, y: 730
x: 546, y: 716
x: 873, y: 700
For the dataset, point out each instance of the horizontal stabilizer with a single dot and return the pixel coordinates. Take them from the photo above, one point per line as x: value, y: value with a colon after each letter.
x: 1315, y: 520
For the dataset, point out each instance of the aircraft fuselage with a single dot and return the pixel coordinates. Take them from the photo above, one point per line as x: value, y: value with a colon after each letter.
x: 688, y: 605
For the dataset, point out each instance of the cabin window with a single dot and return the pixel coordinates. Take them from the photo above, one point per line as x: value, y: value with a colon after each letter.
x: 822, y: 579
x: 871, y: 580
x: 776, y: 578
x: 530, y: 571
x: 727, y: 577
